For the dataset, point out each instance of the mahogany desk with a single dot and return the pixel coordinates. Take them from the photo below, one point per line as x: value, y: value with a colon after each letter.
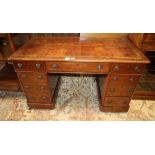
x: 119, y: 60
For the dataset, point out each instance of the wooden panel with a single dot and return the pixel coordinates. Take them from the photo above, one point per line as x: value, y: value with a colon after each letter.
x: 76, y: 67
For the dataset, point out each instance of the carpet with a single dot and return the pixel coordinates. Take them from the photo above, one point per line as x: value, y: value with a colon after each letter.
x: 77, y: 100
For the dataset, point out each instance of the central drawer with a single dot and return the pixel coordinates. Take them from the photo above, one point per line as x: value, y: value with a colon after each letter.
x: 77, y: 67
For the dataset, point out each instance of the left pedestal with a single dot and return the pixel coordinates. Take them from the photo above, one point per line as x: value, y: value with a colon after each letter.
x: 34, y: 82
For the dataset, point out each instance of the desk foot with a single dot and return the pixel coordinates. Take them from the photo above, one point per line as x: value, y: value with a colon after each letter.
x: 41, y: 106
x: 114, y: 109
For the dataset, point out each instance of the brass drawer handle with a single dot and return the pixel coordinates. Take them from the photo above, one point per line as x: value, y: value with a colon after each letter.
x: 42, y: 87
x: 26, y: 87
x: 23, y: 76
x: 30, y: 97
x: 137, y: 68
x: 116, y: 68
x: 99, y: 67
x: 112, y: 90
x: 40, y: 77
x: 109, y: 103
x: 20, y: 66
x: 54, y: 65
x: 114, y: 78
x: 131, y: 80
x: 37, y: 66
x: 45, y: 98
x: 130, y: 90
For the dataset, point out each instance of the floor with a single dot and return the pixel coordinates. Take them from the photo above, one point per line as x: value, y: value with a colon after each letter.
x: 77, y: 100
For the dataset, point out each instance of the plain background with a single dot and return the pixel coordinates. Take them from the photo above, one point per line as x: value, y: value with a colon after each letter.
x: 77, y: 16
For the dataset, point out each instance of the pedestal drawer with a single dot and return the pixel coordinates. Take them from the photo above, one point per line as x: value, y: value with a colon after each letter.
x: 29, y: 66
x: 32, y: 77
x: 77, y: 67
x: 116, y: 101
x: 127, y: 68
x: 39, y: 98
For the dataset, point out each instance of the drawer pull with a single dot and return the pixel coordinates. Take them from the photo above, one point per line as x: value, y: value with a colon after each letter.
x: 113, y: 90
x: 37, y: 66
x: 26, y: 87
x: 23, y: 76
x: 30, y: 97
x: 109, y: 103
x: 137, y: 68
x: 114, y: 78
x: 20, y: 66
x: 44, y: 98
x: 42, y: 87
x: 130, y: 90
x: 99, y: 67
x: 54, y: 65
x: 116, y: 68
x: 40, y: 77
x: 131, y: 79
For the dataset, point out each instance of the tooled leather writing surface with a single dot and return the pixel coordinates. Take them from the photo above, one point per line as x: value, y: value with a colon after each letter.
x: 60, y: 48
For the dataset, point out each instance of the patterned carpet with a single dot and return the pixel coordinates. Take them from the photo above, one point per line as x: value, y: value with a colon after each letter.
x: 77, y: 100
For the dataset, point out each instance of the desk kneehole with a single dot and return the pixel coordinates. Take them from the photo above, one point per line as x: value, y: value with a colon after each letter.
x: 78, y: 67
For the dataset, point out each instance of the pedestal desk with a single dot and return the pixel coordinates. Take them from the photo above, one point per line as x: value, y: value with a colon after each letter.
x: 39, y: 61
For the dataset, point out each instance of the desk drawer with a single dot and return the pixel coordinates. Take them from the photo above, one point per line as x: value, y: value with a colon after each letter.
x: 36, y: 89
x: 116, y: 101
x: 32, y: 77
x: 77, y: 67
x: 127, y: 68
x: 122, y: 85
x: 29, y: 66
x: 44, y: 99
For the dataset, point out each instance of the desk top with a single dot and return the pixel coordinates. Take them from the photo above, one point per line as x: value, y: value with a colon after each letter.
x: 73, y: 49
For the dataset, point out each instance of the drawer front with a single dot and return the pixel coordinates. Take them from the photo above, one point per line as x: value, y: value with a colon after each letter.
x: 29, y: 66
x: 116, y: 101
x: 77, y: 67
x: 32, y: 77
x: 35, y: 89
x: 122, y: 85
x: 39, y: 98
x: 127, y: 68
